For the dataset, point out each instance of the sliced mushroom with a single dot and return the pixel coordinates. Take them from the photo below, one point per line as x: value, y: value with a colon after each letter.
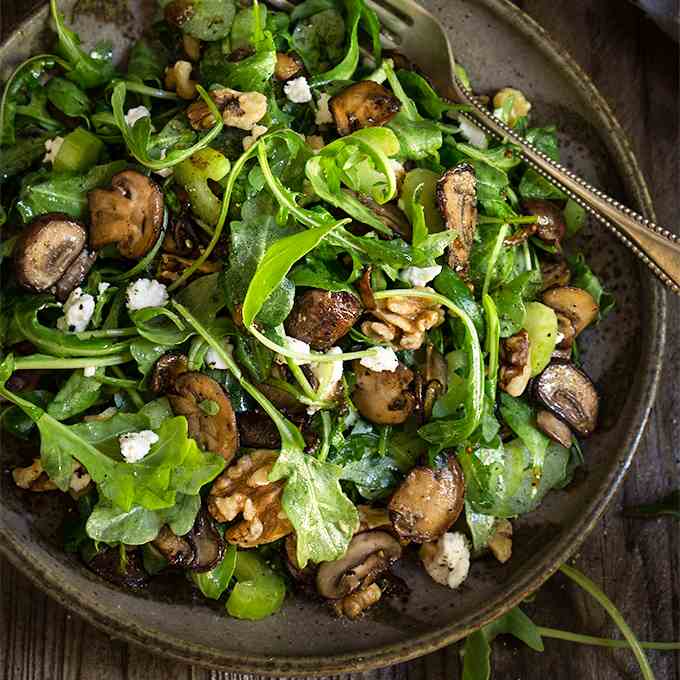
x: 389, y: 214
x: 366, y: 290
x: 368, y: 556
x: 555, y: 274
x: 515, y: 370
x: 554, y: 428
x: 130, y: 214
x: 321, y: 317
x: 257, y: 431
x: 182, y: 238
x: 570, y: 395
x: 382, y: 397
x: 75, y: 274
x: 46, y: 250
x: 428, y: 502
x: 242, y: 110
x: 576, y: 304
x: 288, y: 65
x: 176, y: 550
x: 166, y: 371
x: 206, y: 543
x: 457, y: 201
x: 364, y: 104
x: 193, y: 393
x: 550, y: 223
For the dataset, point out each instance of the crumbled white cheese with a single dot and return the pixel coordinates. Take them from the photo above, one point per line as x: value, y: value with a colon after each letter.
x: 447, y: 561
x: 298, y: 91
x: 384, y: 360
x: 133, y: 115
x: 419, y: 277
x: 474, y: 134
x: 294, y: 345
x: 78, y: 310
x: 255, y: 134
x: 52, y: 147
x: 328, y: 375
x: 146, y: 293
x: 103, y: 287
x: 323, y: 113
x: 213, y: 359
x: 90, y: 371
x: 135, y: 445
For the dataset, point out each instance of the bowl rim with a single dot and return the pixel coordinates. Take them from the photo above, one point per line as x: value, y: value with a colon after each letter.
x: 653, y: 351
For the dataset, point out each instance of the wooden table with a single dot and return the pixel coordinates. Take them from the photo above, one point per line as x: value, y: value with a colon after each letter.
x: 637, y: 563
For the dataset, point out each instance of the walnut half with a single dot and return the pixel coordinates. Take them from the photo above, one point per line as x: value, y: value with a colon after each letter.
x: 34, y: 478
x: 515, y: 371
x: 403, y: 321
x: 241, y: 110
x: 244, y: 489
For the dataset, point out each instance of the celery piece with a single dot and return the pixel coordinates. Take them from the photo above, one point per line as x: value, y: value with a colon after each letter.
x: 540, y: 323
x: 259, y: 591
x: 79, y: 152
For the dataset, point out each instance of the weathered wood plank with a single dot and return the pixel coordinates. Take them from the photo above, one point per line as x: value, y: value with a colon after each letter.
x: 638, y: 564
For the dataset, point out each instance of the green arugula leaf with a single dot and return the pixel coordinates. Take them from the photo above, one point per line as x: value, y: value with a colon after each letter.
x: 204, y: 19
x: 110, y: 524
x: 319, y: 33
x: 147, y: 61
x: 76, y: 395
x: 583, y: 277
x: 68, y: 97
x: 511, y: 301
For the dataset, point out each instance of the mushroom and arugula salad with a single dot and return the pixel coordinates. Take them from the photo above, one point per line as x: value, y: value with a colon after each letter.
x: 277, y: 312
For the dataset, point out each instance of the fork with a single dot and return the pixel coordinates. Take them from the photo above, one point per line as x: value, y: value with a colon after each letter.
x: 412, y: 30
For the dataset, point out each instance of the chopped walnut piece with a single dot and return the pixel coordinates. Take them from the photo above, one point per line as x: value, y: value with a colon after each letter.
x: 515, y: 370
x: 178, y: 78
x: 34, y: 478
x: 244, y: 489
x: 500, y: 542
x: 241, y: 110
x: 403, y: 320
x: 355, y: 604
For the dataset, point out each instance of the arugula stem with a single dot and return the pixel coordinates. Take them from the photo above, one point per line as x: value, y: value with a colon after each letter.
x: 123, y: 383
x: 325, y: 439
x: 493, y: 258
x: 44, y: 361
x: 492, y: 337
x: 604, y: 642
x: 591, y: 588
x: 132, y: 391
x: 155, y: 92
x: 300, y: 376
x: 108, y: 333
x: 520, y: 219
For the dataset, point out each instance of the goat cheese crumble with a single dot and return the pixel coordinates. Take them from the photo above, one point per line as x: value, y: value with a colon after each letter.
x: 78, y: 310
x: 146, y: 293
x: 419, y: 277
x: 213, y: 359
x: 298, y: 90
x: 133, y: 115
x: 475, y: 135
x: 448, y: 560
x: 384, y: 360
x: 103, y: 287
x: 255, y: 134
x: 295, y: 345
x: 323, y: 113
x: 135, y: 445
x: 52, y: 148
x: 90, y: 371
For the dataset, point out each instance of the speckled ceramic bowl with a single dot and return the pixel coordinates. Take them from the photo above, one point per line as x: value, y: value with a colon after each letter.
x: 500, y: 46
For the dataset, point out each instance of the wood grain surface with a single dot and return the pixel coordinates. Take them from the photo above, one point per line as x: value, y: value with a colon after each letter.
x: 635, y: 66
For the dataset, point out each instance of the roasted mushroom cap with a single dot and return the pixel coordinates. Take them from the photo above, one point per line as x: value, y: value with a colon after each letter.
x: 550, y: 222
x: 288, y: 65
x: 382, y: 397
x: 75, y: 274
x: 166, y: 371
x: 457, y: 201
x: 321, y: 317
x: 576, y: 304
x: 176, y: 550
x: 206, y: 543
x: 569, y: 394
x: 555, y: 274
x: 554, y: 428
x: 196, y: 396
x: 364, y: 104
x: 428, y: 502
x: 368, y: 556
x: 47, y: 249
x: 129, y: 214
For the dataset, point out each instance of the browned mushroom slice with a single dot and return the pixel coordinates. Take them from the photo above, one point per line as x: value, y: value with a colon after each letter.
x: 321, y: 317
x: 555, y: 274
x: 569, y: 394
x: 129, y: 214
x: 428, y: 502
x: 288, y: 65
x: 369, y: 555
x: 257, y: 431
x: 46, y: 249
x: 576, y: 304
x: 364, y: 104
x: 75, y: 274
x: 553, y: 427
x: 176, y: 550
x: 550, y: 223
x: 457, y: 201
x: 166, y: 371
x: 382, y: 396
x: 389, y: 214
x: 206, y: 543
x: 208, y: 411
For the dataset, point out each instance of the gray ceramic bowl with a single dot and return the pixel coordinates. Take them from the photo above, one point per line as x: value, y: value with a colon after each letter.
x: 500, y: 46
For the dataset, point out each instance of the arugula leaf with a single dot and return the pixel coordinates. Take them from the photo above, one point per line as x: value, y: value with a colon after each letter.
x: 63, y: 192
x: 77, y: 395
x: 319, y: 34
x: 203, y: 19
x: 316, y: 272
x: 146, y: 353
x: 583, y: 277
x: 424, y: 95
x: 19, y: 157
x: 36, y: 109
x: 68, y: 97
x: 535, y: 186
x: 147, y: 61
x: 160, y: 326
x: 511, y: 300
x: 88, y: 70
x: 110, y: 524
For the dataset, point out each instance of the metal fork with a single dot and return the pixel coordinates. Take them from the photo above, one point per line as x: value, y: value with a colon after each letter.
x: 413, y: 31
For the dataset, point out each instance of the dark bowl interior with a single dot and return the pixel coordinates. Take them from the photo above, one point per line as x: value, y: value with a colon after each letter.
x: 500, y: 46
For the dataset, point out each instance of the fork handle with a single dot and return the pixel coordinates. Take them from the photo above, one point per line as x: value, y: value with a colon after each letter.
x: 657, y: 247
